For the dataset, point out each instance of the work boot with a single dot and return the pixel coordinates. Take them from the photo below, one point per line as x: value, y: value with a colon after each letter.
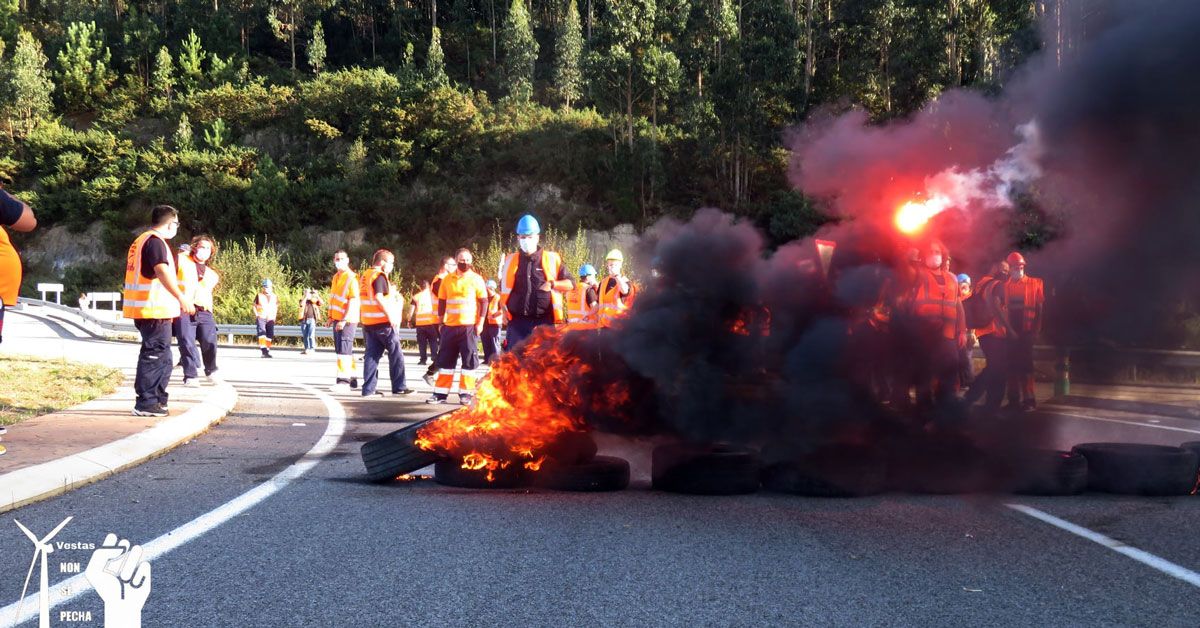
x: 353, y: 383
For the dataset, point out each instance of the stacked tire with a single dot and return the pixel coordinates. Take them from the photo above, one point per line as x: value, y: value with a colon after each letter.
x: 396, y: 454
x: 705, y: 469
x: 1139, y: 469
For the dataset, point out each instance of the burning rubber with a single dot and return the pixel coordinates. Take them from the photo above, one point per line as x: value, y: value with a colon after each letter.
x: 395, y: 454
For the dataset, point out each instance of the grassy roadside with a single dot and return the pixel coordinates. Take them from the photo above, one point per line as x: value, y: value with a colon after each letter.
x: 31, y: 386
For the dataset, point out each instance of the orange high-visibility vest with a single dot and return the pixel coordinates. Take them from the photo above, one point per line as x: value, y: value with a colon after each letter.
x: 551, y: 262
x: 423, y: 310
x: 462, y: 294
x: 200, y: 291
x: 372, y: 303
x: 938, y: 303
x: 10, y: 270
x: 577, y: 306
x: 495, y: 313
x: 146, y: 298
x: 266, y: 306
x: 343, y: 297
x: 1028, y: 295
x: 612, y: 305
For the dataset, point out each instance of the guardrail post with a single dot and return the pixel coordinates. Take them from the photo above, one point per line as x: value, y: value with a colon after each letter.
x: 1062, y: 366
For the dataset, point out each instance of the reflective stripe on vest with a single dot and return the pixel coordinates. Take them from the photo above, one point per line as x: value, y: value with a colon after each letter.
x: 1027, y: 295
x: 199, y: 290
x: 612, y: 304
x: 938, y: 303
x: 266, y: 306
x: 423, y: 309
x: 147, y: 298
x: 464, y: 292
x: 372, y: 310
x: 340, y: 295
x: 551, y: 263
x: 577, y: 307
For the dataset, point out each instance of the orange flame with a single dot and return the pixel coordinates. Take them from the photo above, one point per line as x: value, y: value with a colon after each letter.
x: 913, y: 215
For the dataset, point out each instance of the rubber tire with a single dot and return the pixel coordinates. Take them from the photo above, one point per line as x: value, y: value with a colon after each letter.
x: 1139, y: 469
x: 834, y: 471
x: 1194, y: 447
x: 1048, y: 472
x: 601, y: 473
x: 572, y: 448
x: 705, y: 470
x: 450, y: 473
x: 395, y: 454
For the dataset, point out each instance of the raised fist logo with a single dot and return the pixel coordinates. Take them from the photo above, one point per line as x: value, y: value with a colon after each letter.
x: 122, y: 579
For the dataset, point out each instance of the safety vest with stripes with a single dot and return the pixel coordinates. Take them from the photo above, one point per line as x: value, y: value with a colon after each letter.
x: 551, y: 262
x: 146, y: 298
x: 938, y: 303
x: 577, y: 307
x: 423, y: 311
x: 1026, y: 294
x: 199, y: 290
x: 462, y: 294
x: 343, y: 297
x: 372, y: 304
x: 495, y: 313
x: 266, y: 306
x: 612, y: 304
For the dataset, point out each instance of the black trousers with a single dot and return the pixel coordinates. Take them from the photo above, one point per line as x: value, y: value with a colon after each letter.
x: 520, y: 328
x: 199, y: 326
x: 427, y: 340
x: 491, y: 342
x: 154, y: 362
x: 380, y: 339
x: 992, y: 378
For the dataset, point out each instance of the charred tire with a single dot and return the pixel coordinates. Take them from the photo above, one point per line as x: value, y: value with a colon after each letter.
x: 601, y: 473
x: 1051, y: 473
x: 705, y: 470
x: 1194, y: 447
x: 395, y: 454
x: 572, y: 448
x: 1138, y: 469
x: 836, y: 471
x: 451, y: 473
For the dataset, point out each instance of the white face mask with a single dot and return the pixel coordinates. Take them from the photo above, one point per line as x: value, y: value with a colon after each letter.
x: 202, y: 255
x: 614, y: 268
x: 341, y: 264
x: 528, y: 245
x: 1018, y: 273
x: 934, y: 261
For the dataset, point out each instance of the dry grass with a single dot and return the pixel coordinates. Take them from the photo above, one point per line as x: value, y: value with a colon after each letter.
x: 32, y: 386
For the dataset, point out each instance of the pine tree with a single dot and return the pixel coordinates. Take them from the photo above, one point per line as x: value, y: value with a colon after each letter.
x: 568, y: 46
x: 520, y: 51
x: 83, y: 67
x: 25, y: 85
x: 162, y: 80
x: 435, y: 61
x: 183, y: 133
x: 190, y: 61
x: 316, y: 48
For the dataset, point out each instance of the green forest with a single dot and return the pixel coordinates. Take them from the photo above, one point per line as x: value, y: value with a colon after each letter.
x: 432, y: 122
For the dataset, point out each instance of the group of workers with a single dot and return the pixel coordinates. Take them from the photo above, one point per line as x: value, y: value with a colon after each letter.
x: 932, y: 313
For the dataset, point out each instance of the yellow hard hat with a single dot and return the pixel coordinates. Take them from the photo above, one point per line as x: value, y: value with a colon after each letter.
x: 614, y: 255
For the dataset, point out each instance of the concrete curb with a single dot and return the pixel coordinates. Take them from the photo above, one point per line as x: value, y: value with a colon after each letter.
x: 33, y: 484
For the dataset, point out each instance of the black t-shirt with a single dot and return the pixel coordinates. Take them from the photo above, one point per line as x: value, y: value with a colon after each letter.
x: 526, y: 300
x: 610, y: 283
x: 591, y: 296
x: 10, y: 209
x: 154, y: 252
x: 380, y: 286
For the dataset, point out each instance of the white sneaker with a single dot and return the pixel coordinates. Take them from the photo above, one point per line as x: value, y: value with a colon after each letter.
x: 192, y: 382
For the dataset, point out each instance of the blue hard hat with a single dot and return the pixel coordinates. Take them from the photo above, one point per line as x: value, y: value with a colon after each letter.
x: 266, y: 283
x: 964, y: 278
x: 528, y: 225
x: 491, y: 284
x: 586, y: 270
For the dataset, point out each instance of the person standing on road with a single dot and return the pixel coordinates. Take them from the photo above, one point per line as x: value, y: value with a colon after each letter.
x: 940, y: 327
x: 310, y: 317
x: 197, y: 280
x: 532, y: 284
x: 582, y: 301
x: 18, y: 216
x: 616, y: 291
x: 266, y: 310
x: 152, y: 298
x: 462, y: 304
x: 492, y: 324
x: 344, y: 312
x: 966, y: 370
x: 382, y: 312
x: 1025, y: 298
x: 425, y: 321
x: 987, y: 314
x: 448, y: 268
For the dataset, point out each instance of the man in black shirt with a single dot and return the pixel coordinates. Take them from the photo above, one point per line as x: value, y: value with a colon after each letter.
x: 532, y: 284
x: 18, y: 216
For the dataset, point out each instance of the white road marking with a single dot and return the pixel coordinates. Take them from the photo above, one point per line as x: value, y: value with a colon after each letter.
x: 1136, y: 423
x: 75, y: 586
x: 1142, y: 556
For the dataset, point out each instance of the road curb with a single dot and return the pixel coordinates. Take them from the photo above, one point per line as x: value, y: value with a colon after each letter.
x: 33, y: 484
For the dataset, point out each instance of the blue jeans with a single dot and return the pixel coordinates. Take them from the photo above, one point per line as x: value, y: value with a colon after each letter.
x: 521, y: 328
x: 308, y: 330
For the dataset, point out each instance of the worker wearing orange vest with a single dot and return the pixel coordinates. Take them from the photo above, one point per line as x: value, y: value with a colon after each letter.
x: 940, y: 328
x: 344, y: 312
x: 992, y: 330
x: 1025, y: 298
x: 616, y: 291
x: 532, y: 284
x: 152, y: 298
x: 583, y: 300
x: 448, y: 268
x: 266, y: 310
x: 382, y: 313
x: 425, y: 320
x: 197, y: 280
x: 463, y: 306
x: 492, y: 324
x: 18, y: 216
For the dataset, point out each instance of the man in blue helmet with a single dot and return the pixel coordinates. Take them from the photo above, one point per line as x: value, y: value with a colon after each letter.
x: 532, y: 284
x: 582, y: 302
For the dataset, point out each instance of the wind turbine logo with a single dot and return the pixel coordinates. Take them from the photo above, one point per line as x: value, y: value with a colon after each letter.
x: 42, y: 550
